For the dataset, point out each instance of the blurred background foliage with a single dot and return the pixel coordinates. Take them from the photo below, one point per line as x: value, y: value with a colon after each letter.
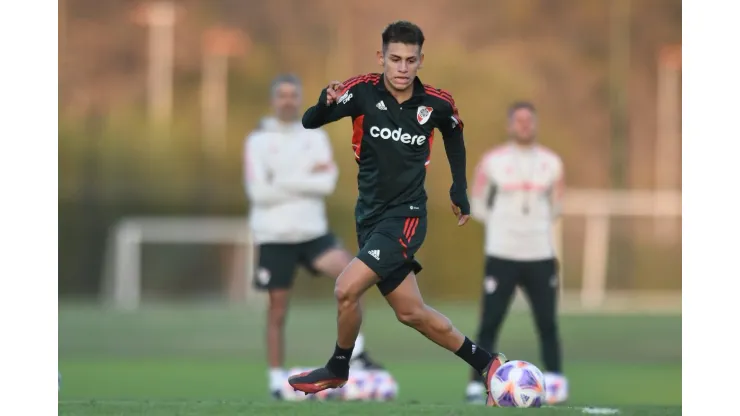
x: 597, y: 109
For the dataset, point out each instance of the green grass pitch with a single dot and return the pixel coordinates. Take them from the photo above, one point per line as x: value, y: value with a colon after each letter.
x: 209, y: 361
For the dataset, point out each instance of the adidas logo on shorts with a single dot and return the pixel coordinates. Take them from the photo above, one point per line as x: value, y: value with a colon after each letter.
x: 375, y: 254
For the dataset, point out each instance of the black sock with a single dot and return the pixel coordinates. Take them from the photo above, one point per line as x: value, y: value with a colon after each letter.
x: 477, y: 357
x: 339, y: 361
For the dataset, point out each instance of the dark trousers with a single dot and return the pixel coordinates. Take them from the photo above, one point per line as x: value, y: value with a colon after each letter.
x: 539, y: 280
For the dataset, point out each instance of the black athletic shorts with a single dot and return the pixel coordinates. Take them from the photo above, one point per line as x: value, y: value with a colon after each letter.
x: 277, y: 262
x: 504, y: 275
x: 388, y: 247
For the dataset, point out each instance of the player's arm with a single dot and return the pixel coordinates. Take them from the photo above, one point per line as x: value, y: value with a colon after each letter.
x: 322, y: 179
x: 452, y: 134
x: 482, y: 184
x: 258, y: 180
x: 558, y: 189
x: 337, y: 100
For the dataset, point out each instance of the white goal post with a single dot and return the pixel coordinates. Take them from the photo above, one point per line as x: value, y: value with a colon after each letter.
x: 123, y: 254
x: 598, y: 207
x: 123, y: 262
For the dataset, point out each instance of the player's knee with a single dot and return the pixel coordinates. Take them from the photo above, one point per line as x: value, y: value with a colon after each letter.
x: 413, y: 317
x: 410, y: 318
x: 341, y: 294
x: 345, y: 295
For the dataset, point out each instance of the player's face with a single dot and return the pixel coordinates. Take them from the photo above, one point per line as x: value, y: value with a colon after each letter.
x: 523, y: 126
x: 286, y: 101
x: 400, y: 63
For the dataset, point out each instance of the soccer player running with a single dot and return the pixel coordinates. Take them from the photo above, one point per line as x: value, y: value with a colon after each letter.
x: 289, y: 170
x: 517, y: 192
x: 393, y: 117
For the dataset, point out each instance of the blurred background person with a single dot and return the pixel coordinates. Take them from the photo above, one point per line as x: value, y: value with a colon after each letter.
x: 517, y: 191
x: 289, y: 171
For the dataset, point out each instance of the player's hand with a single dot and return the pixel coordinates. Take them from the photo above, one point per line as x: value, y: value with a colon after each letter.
x: 332, y: 92
x: 461, y: 218
x: 460, y: 204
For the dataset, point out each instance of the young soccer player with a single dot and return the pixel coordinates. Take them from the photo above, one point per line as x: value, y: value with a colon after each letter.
x: 393, y: 117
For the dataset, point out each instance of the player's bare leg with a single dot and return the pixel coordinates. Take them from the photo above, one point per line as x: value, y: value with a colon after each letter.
x: 332, y: 263
x: 410, y: 309
x: 352, y: 283
x: 276, y: 314
x: 356, y: 279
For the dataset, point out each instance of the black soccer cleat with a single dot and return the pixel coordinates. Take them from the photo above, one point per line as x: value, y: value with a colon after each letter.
x: 498, y: 360
x: 364, y: 361
x: 311, y: 382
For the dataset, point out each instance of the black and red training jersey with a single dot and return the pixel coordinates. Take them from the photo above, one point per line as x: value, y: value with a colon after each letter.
x: 392, y: 143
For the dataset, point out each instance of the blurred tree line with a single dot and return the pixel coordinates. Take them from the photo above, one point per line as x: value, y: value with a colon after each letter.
x: 487, y: 53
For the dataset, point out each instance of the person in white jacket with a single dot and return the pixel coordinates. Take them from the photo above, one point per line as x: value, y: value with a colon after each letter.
x: 516, y: 194
x: 289, y: 171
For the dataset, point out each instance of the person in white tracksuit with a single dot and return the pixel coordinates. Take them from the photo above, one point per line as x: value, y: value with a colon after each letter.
x: 516, y: 194
x: 288, y: 171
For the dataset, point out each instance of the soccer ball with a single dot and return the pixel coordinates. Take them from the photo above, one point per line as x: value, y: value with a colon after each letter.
x: 518, y: 384
x: 369, y: 385
x: 385, y: 387
x: 358, y: 387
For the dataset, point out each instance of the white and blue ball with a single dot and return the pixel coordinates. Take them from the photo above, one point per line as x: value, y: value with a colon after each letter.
x: 518, y: 384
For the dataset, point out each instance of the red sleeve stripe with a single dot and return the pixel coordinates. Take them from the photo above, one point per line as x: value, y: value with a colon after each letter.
x: 440, y: 94
x: 443, y: 93
x: 371, y: 75
x: 359, y: 79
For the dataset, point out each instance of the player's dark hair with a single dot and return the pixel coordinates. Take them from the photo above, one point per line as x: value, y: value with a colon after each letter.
x: 404, y: 32
x: 521, y: 105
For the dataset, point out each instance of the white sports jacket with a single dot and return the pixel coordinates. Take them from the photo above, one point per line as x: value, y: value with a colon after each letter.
x: 512, y: 197
x: 288, y: 170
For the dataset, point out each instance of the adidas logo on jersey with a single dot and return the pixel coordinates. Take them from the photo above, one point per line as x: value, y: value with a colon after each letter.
x: 375, y: 254
x: 381, y: 105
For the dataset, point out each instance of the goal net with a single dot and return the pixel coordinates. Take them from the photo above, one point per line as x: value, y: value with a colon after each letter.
x: 161, y: 257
